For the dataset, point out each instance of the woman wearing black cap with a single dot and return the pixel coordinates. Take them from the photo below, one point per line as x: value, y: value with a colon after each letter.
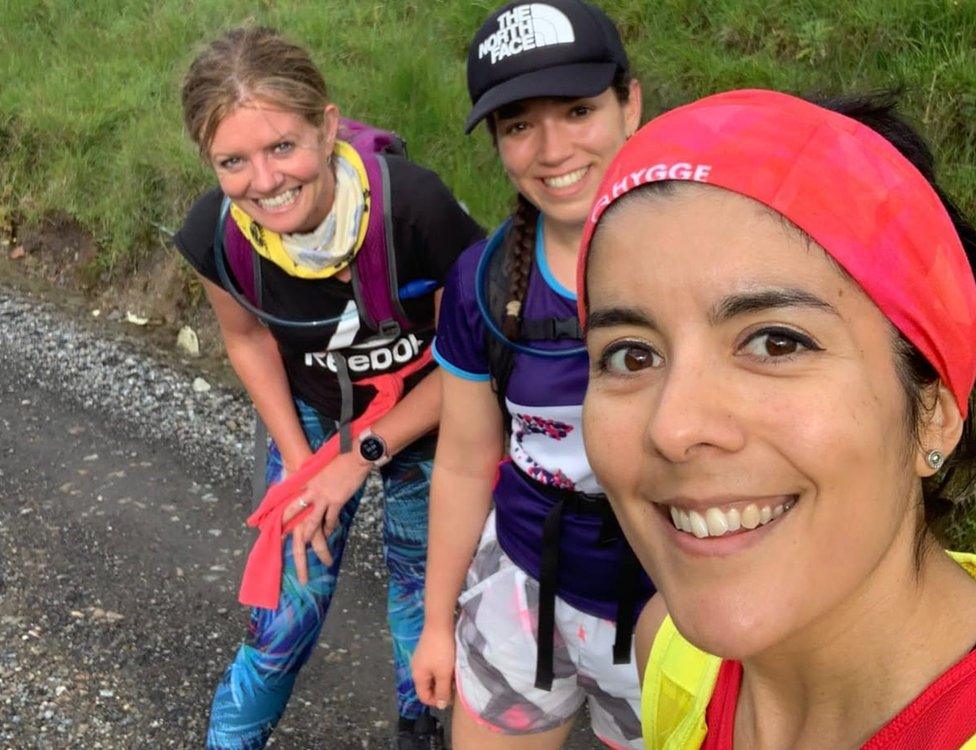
x: 537, y: 632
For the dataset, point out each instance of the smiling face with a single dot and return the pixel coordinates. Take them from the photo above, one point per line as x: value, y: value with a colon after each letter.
x: 274, y: 165
x: 555, y: 151
x: 745, y: 416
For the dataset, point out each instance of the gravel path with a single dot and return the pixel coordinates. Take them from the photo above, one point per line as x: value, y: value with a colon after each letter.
x: 122, y: 493
x: 123, y: 379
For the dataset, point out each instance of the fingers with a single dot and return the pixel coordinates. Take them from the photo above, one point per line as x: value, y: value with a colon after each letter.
x: 423, y: 687
x: 331, y: 518
x: 443, y: 687
x: 321, y: 546
x: 434, y: 683
x: 423, y: 680
x: 298, y: 554
x: 293, y: 509
x: 314, y: 528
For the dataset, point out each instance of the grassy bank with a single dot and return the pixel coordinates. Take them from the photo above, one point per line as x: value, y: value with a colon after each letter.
x: 90, y: 123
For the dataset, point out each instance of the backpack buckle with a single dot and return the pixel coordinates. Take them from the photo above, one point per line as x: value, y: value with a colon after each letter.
x: 389, y: 328
x: 564, y: 328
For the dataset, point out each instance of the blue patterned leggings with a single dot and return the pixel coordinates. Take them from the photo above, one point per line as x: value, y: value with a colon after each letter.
x: 252, y: 694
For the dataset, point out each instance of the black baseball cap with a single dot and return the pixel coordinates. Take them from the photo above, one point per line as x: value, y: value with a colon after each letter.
x: 552, y: 48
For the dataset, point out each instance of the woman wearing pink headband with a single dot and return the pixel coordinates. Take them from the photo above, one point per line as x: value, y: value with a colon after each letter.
x: 781, y: 320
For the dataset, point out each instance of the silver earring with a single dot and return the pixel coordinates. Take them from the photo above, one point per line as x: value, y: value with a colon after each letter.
x: 935, y: 459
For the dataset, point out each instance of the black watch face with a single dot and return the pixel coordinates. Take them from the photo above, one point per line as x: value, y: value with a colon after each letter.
x: 371, y: 449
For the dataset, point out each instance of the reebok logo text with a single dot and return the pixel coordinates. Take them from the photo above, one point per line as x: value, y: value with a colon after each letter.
x: 379, y: 358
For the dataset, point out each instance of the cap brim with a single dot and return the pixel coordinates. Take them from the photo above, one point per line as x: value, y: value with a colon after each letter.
x: 578, y: 79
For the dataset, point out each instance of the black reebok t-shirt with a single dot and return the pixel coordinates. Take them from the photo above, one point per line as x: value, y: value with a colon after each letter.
x: 430, y: 230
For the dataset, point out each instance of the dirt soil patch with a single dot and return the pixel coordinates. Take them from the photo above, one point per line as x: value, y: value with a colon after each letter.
x: 56, y: 261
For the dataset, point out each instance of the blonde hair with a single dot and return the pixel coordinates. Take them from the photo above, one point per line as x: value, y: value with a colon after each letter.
x: 247, y: 64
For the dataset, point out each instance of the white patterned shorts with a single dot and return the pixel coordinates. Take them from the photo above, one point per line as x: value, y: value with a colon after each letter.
x: 496, y: 657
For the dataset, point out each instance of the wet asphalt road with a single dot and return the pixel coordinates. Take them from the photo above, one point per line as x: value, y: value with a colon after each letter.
x: 121, y: 546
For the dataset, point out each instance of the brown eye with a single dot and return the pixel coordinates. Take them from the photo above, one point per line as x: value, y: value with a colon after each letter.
x: 777, y: 344
x: 630, y: 358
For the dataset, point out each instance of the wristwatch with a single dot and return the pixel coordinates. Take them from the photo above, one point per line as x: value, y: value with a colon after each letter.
x: 373, y: 448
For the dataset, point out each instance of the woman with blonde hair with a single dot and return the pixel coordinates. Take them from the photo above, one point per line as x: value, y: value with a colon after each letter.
x: 322, y: 253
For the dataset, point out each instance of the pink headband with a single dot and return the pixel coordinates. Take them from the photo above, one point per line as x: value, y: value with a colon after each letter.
x: 840, y: 182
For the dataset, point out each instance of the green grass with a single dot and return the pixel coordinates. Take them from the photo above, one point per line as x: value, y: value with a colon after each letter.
x: 90, y: 124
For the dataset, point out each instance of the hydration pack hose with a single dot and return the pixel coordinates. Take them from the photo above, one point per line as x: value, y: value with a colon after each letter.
x: 480, y: 281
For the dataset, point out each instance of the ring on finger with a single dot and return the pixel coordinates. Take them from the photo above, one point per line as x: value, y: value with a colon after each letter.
x: 303, y: 503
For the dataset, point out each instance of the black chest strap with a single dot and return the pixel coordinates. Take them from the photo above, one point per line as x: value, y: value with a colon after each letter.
x: 579, y: 503
x: 551, y: 329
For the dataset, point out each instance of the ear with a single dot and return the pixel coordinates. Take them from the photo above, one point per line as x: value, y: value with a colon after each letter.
x: 329, y: 127
x: 633, y: 108
x: 941, y: 428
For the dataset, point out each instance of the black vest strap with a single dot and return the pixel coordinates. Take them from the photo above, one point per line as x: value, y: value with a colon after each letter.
x: 551, y: 329
x: 345, y: 408
x: 590, y: 504
x: 548, y: 574
x: 626, y: 604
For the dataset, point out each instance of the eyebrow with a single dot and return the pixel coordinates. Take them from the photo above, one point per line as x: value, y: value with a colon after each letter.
x: 766, y: 299
x: 730, y: 307
x: 619, y: 316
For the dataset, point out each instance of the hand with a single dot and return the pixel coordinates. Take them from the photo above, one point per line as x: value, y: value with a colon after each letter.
x: 325, y: 495
x: 433, y: 666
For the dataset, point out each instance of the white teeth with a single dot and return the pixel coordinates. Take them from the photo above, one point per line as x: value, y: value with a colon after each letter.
x: 565, y: 180
x: 698, y: 526
x: 716, y: 522
x: 734, y: 519
x: 279, y: 200
x: 717, y: 525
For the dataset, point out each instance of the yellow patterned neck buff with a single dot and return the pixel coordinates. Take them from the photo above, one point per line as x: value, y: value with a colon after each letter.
x: 333, y: 244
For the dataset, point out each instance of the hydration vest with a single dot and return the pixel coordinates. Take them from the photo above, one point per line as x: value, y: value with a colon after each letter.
x: 501, y: 358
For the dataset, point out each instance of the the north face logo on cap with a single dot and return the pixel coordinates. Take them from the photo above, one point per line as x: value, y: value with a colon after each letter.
x: 524, y: 28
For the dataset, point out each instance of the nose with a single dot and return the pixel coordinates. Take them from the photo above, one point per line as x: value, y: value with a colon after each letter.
x: 265, y: 177
x: 555, y: 145
x: 695, y: 412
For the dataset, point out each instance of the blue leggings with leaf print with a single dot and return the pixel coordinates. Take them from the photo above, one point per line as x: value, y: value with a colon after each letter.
x: 252, y: 694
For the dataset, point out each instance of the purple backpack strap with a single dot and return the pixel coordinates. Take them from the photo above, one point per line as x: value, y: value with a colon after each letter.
x: 374, y: 272
x: 240, y: 258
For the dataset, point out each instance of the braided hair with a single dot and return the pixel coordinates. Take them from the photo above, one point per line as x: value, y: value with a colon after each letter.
x: 519, y: 264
